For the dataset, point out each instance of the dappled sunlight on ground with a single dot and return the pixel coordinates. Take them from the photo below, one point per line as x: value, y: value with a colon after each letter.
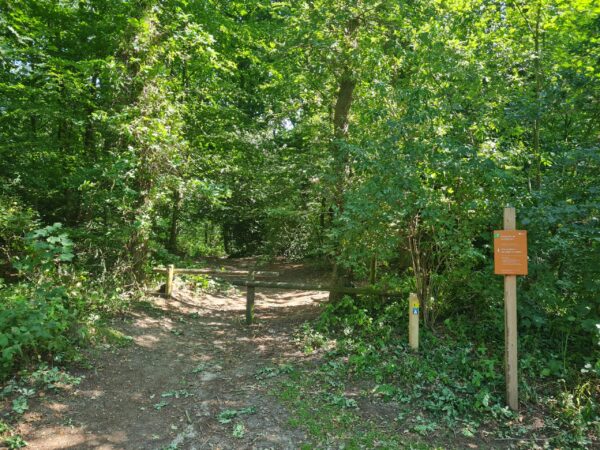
x: 146, y: 340
x: 188, y: 358
x: 57, y: 407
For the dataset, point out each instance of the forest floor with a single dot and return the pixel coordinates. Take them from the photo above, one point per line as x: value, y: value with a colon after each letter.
x: 188, y: 373
x: 191, y: 364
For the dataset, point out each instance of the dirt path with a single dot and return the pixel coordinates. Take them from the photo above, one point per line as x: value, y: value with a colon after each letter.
x: 191, y: 359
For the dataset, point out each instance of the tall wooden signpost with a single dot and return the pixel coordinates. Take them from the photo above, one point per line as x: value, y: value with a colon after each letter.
x: 510, y: 260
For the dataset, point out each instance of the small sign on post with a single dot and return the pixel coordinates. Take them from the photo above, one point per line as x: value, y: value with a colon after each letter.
x: 510, y: 260
x: 510, y: 252
x: 413, y: 321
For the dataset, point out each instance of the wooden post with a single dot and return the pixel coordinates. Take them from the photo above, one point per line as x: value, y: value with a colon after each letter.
x: 413, y: 321
x: 170, y: 275
x: 373, y: 270
x: 250, y: 292
x: 510, y: 325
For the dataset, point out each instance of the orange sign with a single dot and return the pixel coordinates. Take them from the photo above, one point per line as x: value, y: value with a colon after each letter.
x: 510, y: 252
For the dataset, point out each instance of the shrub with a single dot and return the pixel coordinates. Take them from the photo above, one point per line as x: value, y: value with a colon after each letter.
x: 35, y: 323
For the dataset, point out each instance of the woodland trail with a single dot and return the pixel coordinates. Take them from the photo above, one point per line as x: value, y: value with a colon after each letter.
x: 190, y: 359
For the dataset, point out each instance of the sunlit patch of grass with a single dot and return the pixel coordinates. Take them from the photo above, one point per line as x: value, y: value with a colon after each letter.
x: 330, y: 418
x: 113, y: 337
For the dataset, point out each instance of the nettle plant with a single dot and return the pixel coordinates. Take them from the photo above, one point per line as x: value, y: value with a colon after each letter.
x: 38, y: 317
x: 46, y: 248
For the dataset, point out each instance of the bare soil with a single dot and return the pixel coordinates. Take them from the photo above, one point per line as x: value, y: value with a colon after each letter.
x: 191, y: 358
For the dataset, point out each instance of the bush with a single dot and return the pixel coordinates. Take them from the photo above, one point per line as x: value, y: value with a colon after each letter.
x: 456, y: 379
x: 15, y: 219
x: 43, y: 315
x: 35, y: 323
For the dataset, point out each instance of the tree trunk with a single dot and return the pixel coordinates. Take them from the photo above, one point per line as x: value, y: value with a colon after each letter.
x: 88, y: 134
x: 341, y: 122
x: 137, y: 247
x: 226, y: 228
x: 173, y: 229
x: 538, y: 90
x: 373, y: 270
x: 322, y: 215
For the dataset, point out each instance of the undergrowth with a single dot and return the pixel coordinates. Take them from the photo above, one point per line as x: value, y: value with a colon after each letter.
x: 24, y: 386
x: 452, y: 389
x: 54, y: 308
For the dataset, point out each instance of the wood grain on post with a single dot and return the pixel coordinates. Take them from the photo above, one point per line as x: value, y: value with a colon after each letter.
x: 250, y: 293
x: 510, y: 325
x: 413, y: 321
x: 170, y: 276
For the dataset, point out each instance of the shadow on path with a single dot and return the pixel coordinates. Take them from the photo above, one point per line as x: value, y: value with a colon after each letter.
x: 191, y: 358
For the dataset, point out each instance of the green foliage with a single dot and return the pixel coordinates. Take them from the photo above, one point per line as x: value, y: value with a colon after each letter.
x: 54, y: 309
x: 9, y: 438
x: 456, y: 381
x: 46, y: 247
x: 18, y: 390
x: 238, y: 430
x: 201, y: 367
x: 227, y: 415
x: 41, y: 379
x: 53, y: 378
x: 160, y: 405
x: 372, y: 135
x: 170, y: 447
x: 271, y: 372
x: 311, y: 339
x: 35, y: 323
x: 15, y: 219
x: 181, y: 393
x: 14, y: 442
x: 39, y: 319
x: 330, y: 419
x: 19, y: 405
x: 110, y: 336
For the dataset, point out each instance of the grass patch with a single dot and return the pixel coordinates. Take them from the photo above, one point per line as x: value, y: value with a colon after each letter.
x: 113, y: 337
x: 332, y: 420
x: 227, y: 415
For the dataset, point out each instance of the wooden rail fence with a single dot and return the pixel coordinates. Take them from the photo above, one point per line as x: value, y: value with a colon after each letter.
x: 251, y: 284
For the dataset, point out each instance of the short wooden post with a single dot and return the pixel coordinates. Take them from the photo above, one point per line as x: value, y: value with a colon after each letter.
x: 510, y: 325
x: 250, y: 292
x: 170, y: 276
x: 413, y: 321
